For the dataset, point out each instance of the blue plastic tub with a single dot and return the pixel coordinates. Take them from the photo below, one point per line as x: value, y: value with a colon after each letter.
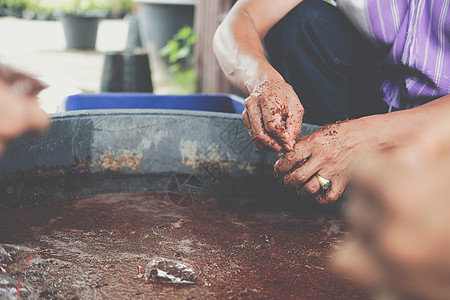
x: 225, y: 103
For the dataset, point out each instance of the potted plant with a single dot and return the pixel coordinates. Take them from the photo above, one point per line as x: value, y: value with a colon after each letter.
x: 40, y: 10
x: 13, y: 8
x: 179, y: 52
x: 161, y: 19
x: 80, y: 20
x: 117, y: 9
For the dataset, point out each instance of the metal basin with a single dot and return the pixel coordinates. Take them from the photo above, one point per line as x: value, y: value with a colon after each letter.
x: 102, y: 192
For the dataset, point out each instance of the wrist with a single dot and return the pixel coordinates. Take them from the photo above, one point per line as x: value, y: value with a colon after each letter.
x: 267, y: 75
x: 385, y: 131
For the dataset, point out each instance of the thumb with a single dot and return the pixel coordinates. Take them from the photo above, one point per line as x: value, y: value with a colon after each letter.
x: 294, y: 120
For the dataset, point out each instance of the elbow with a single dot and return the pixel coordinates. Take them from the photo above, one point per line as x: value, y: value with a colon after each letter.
x: 221, y: 46
x: 218, y: 41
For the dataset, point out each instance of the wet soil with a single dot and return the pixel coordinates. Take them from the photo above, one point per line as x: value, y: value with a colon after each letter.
x: 90, y: 249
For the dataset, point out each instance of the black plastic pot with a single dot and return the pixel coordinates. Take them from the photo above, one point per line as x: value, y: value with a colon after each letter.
x: 13, y: 12
x: 29, y: 15
x: 134, y: 35
x: 159, y: 21
x: 43, y: 16
x: 80, y: 31
x: 127, y: 71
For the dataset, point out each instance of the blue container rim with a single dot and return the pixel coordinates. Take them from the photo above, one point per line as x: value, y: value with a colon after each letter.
x: 222, y: 103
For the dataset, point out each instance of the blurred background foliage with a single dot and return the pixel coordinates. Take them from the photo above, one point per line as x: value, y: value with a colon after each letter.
x: 179, y: 52
x: 71, y: 6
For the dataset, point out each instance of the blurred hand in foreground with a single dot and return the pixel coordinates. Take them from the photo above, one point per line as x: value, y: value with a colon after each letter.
x: 400, y: 215
x: 19, y: 109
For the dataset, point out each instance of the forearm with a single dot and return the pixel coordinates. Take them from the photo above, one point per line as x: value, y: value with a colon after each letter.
x: 394, y: 129
x: 241, y: 55
x: 238, y: 41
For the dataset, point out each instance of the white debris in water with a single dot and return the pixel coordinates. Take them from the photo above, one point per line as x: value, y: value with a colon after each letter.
x: 170, y: 271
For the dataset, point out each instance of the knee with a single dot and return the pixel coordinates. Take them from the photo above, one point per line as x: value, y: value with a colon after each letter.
x: 309, y: 13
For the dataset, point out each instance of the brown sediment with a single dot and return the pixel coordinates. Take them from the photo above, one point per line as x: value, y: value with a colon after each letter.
x: 115, y: 162
x: 79, y: 166
x: 90, y: 248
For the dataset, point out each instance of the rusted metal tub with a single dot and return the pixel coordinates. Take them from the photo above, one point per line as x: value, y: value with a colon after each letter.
x: 101, y: 192
x: 117, y: 151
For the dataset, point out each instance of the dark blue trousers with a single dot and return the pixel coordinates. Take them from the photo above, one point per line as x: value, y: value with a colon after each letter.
x: 330, y: 65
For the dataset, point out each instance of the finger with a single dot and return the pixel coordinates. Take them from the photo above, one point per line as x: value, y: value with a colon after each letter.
x: 37, y: 118
x: 19, y: 114
x: 311, y: 187
x: 290, y: 159
x: 3, y: 144
x: 294, y: 119
x: 21, y: 83
x: 13, y: 115
x: 277, y: 148
x: 302, y: 174
x: 246, y: 120
x: 302, y: 195
x: 33, y: 87
x: 259, y: 134
x: 338, y: 185
x: 273, y: 124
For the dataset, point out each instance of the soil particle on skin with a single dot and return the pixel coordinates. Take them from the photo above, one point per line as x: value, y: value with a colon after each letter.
x: 332, y: 128
x: 90, y: 249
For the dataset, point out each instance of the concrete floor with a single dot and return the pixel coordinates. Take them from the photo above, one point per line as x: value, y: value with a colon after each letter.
x: 38, y: 47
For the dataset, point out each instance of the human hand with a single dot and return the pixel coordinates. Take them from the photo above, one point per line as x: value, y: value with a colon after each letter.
x: 400, y: 216
x: 19, y: 110
x: 328, y: 152
x: 273, y: 115
x: 21, y: 83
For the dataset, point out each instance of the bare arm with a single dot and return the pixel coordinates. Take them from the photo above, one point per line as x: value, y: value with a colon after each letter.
x: 331, y: 150
x: 273, y: 113
x: 238, y: 41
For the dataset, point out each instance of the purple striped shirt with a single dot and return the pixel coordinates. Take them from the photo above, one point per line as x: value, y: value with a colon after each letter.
x: 414, y: 34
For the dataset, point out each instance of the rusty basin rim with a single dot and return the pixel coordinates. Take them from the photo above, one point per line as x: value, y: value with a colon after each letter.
x: 115, y: 151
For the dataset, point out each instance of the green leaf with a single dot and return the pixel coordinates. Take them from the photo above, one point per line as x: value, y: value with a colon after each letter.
x: 184, y: 33
x: 192, y: 39
x: 170, y: 48
x: 173, y: 69
x: 184, y: 52
x: 173, y: 58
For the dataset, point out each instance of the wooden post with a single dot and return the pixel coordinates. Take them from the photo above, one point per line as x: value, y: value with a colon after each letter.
x: 208, y: 15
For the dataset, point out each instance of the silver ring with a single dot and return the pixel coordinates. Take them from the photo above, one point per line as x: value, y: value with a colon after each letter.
x: 325, y: 184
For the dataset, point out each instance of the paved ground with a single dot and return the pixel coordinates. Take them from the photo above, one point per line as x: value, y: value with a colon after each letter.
x: 38, y: 47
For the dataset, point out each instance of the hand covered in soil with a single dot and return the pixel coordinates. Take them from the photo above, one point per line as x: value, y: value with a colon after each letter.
x: 19, y: 110
x: 400, y: 217
x: 273, y: 115
x: 328, y: 152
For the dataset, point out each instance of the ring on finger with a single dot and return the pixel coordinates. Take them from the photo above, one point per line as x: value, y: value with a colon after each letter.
x: 325, y: 184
